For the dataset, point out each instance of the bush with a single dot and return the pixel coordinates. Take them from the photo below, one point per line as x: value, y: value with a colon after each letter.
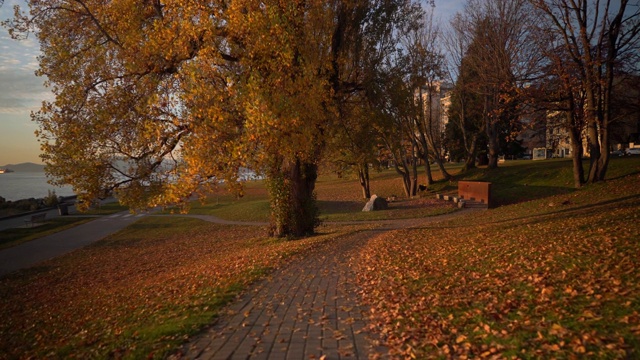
x: 26, y: 204
x: 51, y: 199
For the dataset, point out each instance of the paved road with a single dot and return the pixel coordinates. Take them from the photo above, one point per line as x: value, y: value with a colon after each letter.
x: 48, y: 247
x: 33, y: 252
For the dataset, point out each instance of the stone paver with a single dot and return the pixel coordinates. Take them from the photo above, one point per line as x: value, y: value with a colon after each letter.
x: 306, y: 310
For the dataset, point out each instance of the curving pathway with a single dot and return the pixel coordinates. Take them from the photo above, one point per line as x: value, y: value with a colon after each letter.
x: 306, y: 310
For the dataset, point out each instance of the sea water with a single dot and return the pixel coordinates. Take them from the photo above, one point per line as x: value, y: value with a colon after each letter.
x: 23, y: 185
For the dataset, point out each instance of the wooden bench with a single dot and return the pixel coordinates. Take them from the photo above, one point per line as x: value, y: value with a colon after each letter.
x: 34, y: 219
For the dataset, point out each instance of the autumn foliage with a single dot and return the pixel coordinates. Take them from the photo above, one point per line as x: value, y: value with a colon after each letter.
x: 554, y: 277
x: 551, y: 278
x: 136, y: 295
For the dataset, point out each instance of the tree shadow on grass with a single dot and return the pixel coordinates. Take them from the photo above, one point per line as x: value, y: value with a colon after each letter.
x: 339, y: 207
x: 624, y: 175
x: 570, y: 212
x: 514, y: 193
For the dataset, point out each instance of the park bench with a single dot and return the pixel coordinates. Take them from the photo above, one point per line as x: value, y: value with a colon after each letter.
x: 34, y: 219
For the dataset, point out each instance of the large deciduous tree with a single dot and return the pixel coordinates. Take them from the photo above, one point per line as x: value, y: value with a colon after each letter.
x: 159, y: 99
x: 501, y: 55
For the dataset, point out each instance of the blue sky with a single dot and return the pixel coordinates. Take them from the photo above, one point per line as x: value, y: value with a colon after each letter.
x: 22, y: 92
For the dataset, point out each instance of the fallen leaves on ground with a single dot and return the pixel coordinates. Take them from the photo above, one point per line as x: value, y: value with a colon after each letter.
x: 525, y: 281
x: 136, y: 294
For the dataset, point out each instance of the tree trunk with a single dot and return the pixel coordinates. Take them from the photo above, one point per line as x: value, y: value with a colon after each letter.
x: 430, y: 144
x: 576, y: 150
x: 470, y: 158
x: 427, y: 168
x: 294, y: 212
x: 603, y: 161
x: 414, y: 176
x: 406, y: 183
x: 494, y: 146
x: 594, y: 149
x: 443, y: 171
x: 406, y: 177
x: 363, y: 176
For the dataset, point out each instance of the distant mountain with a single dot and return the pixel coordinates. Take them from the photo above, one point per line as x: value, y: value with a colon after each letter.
x: 24, y: 167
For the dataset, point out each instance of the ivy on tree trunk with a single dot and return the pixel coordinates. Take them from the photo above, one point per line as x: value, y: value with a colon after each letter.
x: 294, y: 212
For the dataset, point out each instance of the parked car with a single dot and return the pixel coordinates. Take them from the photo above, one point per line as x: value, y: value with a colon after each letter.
x: 617, y: 153
x: 633, y: 151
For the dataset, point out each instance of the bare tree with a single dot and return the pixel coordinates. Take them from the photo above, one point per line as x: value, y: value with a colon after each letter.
x: 426, y: 74
x: 597, y: 37
x: 501, y: 54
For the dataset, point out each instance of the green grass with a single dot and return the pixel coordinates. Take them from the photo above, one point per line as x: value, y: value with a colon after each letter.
x: 336, y: 211
x: 525, y: 180
x: 140, y: 292
x: 554, y: 276
x: 340, y: 199
x: 231, y: 209
x: 106, y: 209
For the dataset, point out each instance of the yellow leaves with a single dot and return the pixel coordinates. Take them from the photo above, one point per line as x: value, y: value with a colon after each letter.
x: 558, y: 330
x: 545, y: 293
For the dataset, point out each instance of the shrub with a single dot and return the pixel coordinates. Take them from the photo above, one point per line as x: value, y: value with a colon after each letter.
x: 51, y: 199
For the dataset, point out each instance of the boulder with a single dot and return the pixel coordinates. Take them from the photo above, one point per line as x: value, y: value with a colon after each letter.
x: 376, y: 203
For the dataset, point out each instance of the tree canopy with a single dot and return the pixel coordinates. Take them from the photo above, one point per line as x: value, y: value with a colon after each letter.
x: 160, y: 99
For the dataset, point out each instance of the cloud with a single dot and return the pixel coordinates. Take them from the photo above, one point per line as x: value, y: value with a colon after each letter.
x: 20, y: 90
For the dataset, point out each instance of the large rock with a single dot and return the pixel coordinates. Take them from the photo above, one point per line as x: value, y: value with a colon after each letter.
x: 376, y: 203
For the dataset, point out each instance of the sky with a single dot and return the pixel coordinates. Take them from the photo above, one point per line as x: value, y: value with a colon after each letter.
x: 22, y: 92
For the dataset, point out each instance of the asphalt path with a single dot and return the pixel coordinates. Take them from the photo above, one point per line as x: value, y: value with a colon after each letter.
x: 35, y: 251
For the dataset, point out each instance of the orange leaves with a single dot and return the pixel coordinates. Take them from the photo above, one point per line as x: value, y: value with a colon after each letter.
x: 532, y: 286
x: 168, y: 273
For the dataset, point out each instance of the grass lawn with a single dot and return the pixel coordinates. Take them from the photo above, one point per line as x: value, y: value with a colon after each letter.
x: 553, y: 273
x: 554, y: 277
x: 339, y: 199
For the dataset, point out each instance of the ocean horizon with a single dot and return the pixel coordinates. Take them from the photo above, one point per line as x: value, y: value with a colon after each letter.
x: 24, y: 185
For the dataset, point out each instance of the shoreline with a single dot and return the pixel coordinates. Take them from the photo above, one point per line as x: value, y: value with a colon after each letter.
x: 25, y: 185
x: 7, y: 212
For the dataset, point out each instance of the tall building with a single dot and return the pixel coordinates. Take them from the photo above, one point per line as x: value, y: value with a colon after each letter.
x: 435, y: 98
